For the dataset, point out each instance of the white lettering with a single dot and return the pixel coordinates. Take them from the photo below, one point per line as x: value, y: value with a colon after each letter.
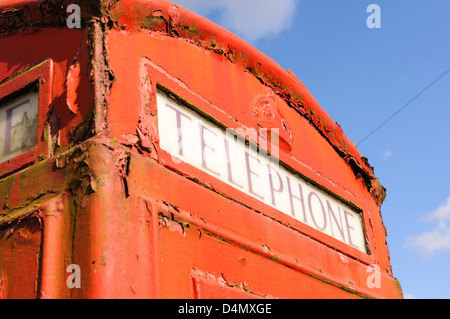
x: 374, y: 280
x: 73, y: 21
x: 233, y: 159
x: 195, y: 309
x: 74, y: 279
x: 374, y: 20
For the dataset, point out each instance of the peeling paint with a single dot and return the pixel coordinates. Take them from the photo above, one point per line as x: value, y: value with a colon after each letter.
x: 98, y: 172
x: 221, y: 280
x: 280, y: 81
x: 73, y: 80
x: 101, y: 74
x: 179, y: 23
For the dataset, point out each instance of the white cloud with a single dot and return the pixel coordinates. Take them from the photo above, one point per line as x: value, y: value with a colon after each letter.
x: 441, y: 214
x: 427, y: 244
x: 386, y: 154
x: 251, y: 19
x: 436, y: 240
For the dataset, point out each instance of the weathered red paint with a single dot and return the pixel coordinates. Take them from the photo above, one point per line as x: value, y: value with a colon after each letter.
x: 139, y: 225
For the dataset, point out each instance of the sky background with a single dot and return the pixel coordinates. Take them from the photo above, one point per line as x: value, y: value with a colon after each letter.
x: 362, y: 76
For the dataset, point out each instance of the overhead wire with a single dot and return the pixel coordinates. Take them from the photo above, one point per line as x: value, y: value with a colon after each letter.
x: 403, y: 107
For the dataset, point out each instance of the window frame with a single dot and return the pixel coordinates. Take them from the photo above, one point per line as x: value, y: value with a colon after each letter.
x: 40, y: 74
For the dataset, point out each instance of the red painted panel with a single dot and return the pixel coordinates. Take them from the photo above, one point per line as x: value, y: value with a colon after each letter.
x: 20, y: 246
x: 138, y: 224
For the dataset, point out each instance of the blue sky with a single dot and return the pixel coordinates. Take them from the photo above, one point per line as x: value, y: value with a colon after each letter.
x: 361, y: 76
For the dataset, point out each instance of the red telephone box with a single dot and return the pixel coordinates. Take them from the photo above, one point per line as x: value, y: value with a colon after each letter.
x: 150, y: 153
